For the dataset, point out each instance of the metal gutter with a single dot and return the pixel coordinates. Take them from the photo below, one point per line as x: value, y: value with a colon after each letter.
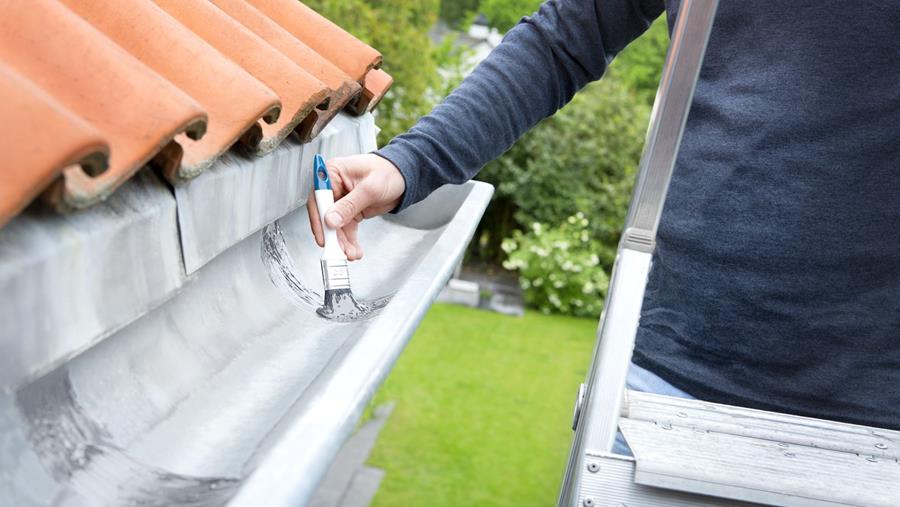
x: 71, y: 280
x: 231, y: 390
x: 76, y: 279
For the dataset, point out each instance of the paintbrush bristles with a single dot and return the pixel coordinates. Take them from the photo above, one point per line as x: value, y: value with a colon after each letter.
x: 339, y: 302
x: 340, y: 305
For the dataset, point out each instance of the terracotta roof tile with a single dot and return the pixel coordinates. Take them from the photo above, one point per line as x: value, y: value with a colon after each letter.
x: 136, y: 110
x: 342, y: 88
x: 28, y: 111
x: 377, y: 84
x: 299, y: 91
x: 326, y: 38
x: 234, y: 99
x: 143, y: 80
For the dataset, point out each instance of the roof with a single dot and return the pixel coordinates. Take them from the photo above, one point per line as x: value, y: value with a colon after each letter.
x: 113, y: 86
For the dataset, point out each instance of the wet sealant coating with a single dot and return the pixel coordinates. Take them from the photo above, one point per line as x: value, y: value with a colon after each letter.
x: 78, y: 451
x: 339, y: 305
x: 195, y: 403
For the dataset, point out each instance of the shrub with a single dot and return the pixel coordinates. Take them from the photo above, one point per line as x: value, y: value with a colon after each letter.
x: 459, y: 13
x: 583, y: 159
x: 504, y: 14
x: 639, y: 66
x: 559, y: 269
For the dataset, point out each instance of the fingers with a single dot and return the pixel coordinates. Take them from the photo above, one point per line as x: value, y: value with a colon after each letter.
x: 351, y: 205
x: 342, y: 241
x: 339, y: 183
x: 356, y: 251
x: 339, y: 187
x: 364, y: 186
x: 349, y: 243
x: 314, y: 222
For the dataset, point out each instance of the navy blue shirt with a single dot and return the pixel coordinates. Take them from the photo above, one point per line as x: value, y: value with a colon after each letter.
x: 776, y: 281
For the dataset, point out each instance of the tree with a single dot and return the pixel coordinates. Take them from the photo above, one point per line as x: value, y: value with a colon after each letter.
x: 639, y: 66
x: 582, y: 159
x: 504, y: 14
x: 459, y: 13
x: 399, y: 30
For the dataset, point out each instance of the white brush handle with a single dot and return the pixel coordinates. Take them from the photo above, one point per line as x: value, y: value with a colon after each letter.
x: 333, y: 251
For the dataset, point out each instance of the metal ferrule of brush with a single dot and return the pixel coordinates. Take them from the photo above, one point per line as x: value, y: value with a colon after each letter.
x: 335, y: 274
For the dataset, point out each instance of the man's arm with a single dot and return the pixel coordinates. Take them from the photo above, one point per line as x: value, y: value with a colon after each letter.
x: 535, y: 71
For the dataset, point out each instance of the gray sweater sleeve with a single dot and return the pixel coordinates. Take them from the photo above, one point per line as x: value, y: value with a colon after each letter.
x: 536, y: 70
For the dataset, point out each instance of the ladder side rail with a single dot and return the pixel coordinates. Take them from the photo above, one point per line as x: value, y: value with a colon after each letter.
x: 667, y: 120
x: 596, y: 428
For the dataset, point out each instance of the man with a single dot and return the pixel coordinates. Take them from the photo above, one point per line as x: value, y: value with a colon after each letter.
x: 776, y: 281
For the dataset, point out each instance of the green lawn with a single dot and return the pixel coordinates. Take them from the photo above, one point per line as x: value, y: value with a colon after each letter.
x: 484, y: 406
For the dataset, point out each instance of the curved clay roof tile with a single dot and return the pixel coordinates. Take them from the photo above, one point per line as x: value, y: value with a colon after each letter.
x: 28, y: 112
x: 378, y: 82
x: 234, y: 100
x: 298, y: 90
x: 343, y: 88
x: 326, y: 38
x: 135, y: 109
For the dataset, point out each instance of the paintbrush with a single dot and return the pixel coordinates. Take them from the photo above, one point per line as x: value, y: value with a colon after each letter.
x: 339, y: 303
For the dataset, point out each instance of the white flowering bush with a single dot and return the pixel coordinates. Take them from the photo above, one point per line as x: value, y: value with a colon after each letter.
x: 559, y: 267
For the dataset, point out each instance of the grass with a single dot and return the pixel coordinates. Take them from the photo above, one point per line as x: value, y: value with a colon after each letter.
x: 484, y: 406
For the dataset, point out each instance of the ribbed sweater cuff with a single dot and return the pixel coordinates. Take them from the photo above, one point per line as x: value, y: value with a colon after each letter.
x: 405, y: 162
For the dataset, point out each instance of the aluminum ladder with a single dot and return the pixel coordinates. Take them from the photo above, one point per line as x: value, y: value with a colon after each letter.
x: 689, y: 452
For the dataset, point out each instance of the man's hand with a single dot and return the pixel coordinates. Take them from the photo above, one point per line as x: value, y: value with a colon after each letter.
x: 364, y: 186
